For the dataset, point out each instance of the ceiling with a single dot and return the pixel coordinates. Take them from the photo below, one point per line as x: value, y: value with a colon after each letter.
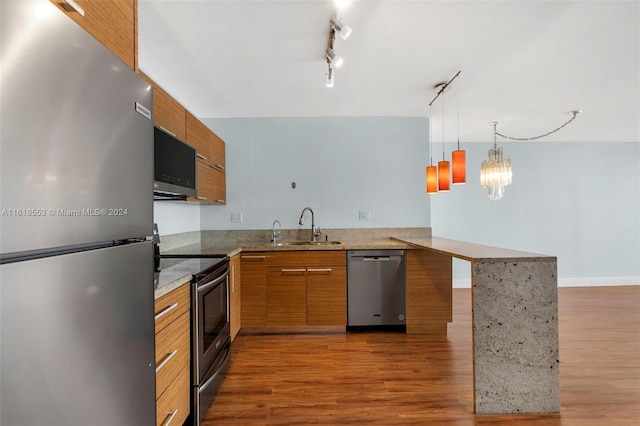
x: 526, y: 64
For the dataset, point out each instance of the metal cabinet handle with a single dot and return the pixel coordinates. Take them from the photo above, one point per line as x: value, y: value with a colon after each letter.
x: 166, y: 360
x: 220, y: 201
x: 201, y: 156
x: 75, y: 6
x: 171, y: 417
x: 252, y: 257
x: 319, y: 270
x: 220, y: 166
x: 292, y: 270
x: 166, y: 311
x: 202, y: 198
x: 168, y: 131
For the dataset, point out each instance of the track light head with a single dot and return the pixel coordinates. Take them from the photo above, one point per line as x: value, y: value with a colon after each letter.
x: 343, y: 30
x: 334, y: 58
x: 330, y: 76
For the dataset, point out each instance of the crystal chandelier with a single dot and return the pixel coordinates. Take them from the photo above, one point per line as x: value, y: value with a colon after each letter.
x: 495, y: 173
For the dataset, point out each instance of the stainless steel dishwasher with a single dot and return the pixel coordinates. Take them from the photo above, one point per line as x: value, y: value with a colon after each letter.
x: 376, y: 281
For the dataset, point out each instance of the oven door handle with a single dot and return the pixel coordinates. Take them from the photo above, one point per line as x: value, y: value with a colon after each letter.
x: 213, y: 283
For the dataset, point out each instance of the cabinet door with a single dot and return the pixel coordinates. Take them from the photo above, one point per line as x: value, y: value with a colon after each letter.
x: 111, y: 22
x: 286, y: 296
x: 254, y: 289
x: 197, y: 136
x: 235, y: 295
x: 167, y: 112
x: 217, y: 153
x: 327, y: 295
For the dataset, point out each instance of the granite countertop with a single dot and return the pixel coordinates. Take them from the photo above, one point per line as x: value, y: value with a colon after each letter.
x: 472, y: 251
x: 233, y: 248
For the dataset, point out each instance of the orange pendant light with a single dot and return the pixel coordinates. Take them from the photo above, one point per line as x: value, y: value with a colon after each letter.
x: 458, y: 166
x: 432, y: 179
x: 444, y: 178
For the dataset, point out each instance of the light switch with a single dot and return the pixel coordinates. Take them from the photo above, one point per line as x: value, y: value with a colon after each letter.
x: 236, y: 217
x: 364, y: 215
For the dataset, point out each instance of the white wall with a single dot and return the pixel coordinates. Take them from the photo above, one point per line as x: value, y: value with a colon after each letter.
x: 176, y: 218
x: 579, y: 202
x: 340, y: 166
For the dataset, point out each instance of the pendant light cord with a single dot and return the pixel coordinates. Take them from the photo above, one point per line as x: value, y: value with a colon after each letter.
x: 442, y: 103
x: 495, y: 132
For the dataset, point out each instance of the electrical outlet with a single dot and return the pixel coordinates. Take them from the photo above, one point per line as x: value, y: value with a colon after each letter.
x: 236, y: 217
x: 364, y: 215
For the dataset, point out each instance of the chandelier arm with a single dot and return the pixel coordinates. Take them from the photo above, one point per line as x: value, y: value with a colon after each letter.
x: 575, y: 114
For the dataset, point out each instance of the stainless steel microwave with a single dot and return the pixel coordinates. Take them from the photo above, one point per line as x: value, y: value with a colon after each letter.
x: 174, y: 167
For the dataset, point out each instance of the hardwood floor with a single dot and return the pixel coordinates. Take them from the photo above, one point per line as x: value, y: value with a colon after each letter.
x: 391, y: 378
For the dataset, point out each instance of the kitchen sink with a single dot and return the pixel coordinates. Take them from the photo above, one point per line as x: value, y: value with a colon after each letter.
x: 307, y: 243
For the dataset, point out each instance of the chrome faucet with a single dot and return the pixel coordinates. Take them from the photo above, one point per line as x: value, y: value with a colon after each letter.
x: 275, y: 234
x: 314, y: 232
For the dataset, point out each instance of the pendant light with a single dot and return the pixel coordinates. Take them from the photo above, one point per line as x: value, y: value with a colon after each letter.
x: 432, y: 171
x: 444, y: 176
x: 458, y: 157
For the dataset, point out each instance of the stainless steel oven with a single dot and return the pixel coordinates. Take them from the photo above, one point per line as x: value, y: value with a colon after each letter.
x: 211, y: 342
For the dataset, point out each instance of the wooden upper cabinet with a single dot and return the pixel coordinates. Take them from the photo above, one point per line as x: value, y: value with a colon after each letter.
x: 212, y: 183
x: 197, y: 136
x: 167, y: 112
x: 217, y: 152
x: 111, y: 22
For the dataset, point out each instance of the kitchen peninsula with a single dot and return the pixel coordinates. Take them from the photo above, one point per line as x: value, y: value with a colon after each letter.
x: 514, y: 304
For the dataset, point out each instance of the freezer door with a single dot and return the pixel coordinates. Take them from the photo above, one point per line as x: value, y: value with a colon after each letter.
x: 76, y: 157
x: 77, y: 342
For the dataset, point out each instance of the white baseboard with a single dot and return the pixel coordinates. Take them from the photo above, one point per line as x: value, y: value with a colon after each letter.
x: 597, y: 281
x: 572, y: 282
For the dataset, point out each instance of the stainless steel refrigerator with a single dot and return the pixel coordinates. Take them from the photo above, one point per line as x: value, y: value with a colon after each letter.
x: 76, y: 272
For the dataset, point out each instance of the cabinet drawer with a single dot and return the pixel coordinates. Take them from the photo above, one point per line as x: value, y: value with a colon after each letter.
x: 174, y: 405
x: 173, y: 351
x: 172, y: 305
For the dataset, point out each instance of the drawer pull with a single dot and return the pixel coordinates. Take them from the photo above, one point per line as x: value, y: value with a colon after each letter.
x: 202, y: 198
x: 75, y: 6
x: 220, y: 201
x: 171, y: 417
x: 201, y: 156
x: 166, y: 360
x: 220, y: 166
x: 166, y: 311
x: 284, y: 271
x: 319, y: 270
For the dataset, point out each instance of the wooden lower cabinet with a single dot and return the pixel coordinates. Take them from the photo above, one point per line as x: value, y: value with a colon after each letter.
x: 173, y: 355
x: 326, y: 295
x: 254, y: 289
x: 235, y: 295
x: 307, y: 288
x: 429, y: 293
x: 286, y: 296
x: 174, y: 405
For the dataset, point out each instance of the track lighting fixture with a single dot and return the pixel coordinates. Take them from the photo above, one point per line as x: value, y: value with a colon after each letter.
x: 336, y: 26
x: 343, y: 30
x: 334, y: 58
